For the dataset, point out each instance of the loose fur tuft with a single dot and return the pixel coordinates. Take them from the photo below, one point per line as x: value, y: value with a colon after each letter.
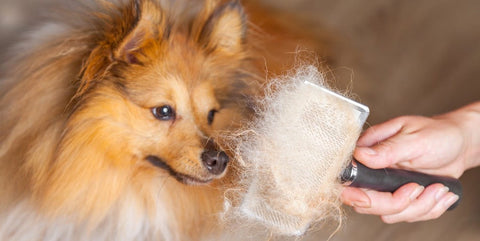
x: 292, y: 155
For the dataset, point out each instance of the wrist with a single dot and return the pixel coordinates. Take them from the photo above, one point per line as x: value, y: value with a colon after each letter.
x: 468, y: 118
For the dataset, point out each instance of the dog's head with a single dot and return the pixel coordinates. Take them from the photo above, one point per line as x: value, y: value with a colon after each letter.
x: 156, y: 92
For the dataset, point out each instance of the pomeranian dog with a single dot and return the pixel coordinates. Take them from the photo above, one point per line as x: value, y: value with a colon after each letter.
x: 111, y: 122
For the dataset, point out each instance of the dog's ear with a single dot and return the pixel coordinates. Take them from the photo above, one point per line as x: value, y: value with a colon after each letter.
x: 125, y: 36
x: 225, y: 29
x: 148, y: 24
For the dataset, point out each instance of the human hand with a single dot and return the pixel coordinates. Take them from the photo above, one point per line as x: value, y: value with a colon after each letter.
x: 440, y: 145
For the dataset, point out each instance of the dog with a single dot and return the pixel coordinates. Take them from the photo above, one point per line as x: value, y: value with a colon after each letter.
x: 112, y: 122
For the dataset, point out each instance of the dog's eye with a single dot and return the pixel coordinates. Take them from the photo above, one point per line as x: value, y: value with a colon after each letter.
x: 211, y: 115
x: 164, y: 112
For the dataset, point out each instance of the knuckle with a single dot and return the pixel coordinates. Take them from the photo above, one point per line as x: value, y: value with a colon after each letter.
x: 435, y: 214
x: 387, y: 149
x: 399, y: 205
x: 406, y: 119
x: 403, y: 119
x: 423, y: 213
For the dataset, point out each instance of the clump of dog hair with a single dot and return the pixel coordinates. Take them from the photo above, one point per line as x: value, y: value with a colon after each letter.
x: 292, y: 154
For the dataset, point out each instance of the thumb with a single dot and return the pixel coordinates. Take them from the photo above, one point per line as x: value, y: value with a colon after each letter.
x: 398, y: 148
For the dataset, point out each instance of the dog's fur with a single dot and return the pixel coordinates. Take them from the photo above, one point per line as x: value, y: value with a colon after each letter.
x: 82, y: 155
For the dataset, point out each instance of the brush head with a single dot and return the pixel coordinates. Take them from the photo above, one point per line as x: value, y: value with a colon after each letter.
x: 360, y: 110
x: 294, y: 152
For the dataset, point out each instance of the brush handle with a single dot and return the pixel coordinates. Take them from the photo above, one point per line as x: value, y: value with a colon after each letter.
x: 389, y: 180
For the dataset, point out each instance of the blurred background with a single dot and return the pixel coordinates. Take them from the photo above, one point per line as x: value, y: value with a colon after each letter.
x: 398, y: 57
x: 403, y: 57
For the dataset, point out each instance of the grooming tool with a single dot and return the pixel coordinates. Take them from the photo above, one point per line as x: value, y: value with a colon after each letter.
x: 297, y: 154
x: 387, y: 179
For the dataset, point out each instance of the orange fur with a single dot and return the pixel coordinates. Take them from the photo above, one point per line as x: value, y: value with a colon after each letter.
x: 77, y: 123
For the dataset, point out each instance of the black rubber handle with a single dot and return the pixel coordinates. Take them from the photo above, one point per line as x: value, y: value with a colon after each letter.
x: 389, y: 180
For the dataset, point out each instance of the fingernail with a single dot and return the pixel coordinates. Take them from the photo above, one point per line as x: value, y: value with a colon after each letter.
x: 368, y: 151
x: 416, y: 192
x: 361, y: 203
x: 440, y: 193
x: 451, y: 200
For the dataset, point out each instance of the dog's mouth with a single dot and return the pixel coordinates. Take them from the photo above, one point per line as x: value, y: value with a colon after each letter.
x: 183, y: 178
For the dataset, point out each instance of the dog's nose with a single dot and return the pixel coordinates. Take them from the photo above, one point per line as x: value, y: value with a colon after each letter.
x: 215, y: 161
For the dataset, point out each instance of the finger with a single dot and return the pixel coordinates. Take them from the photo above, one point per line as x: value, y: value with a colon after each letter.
x: 399, y: 148
x: 445, y: 202
x: 420, y: 206
x: 355, y: 197
x: 380, y: 132
x: 385, y: 203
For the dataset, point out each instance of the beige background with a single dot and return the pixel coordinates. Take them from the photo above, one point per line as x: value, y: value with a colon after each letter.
x: 399, y: 57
